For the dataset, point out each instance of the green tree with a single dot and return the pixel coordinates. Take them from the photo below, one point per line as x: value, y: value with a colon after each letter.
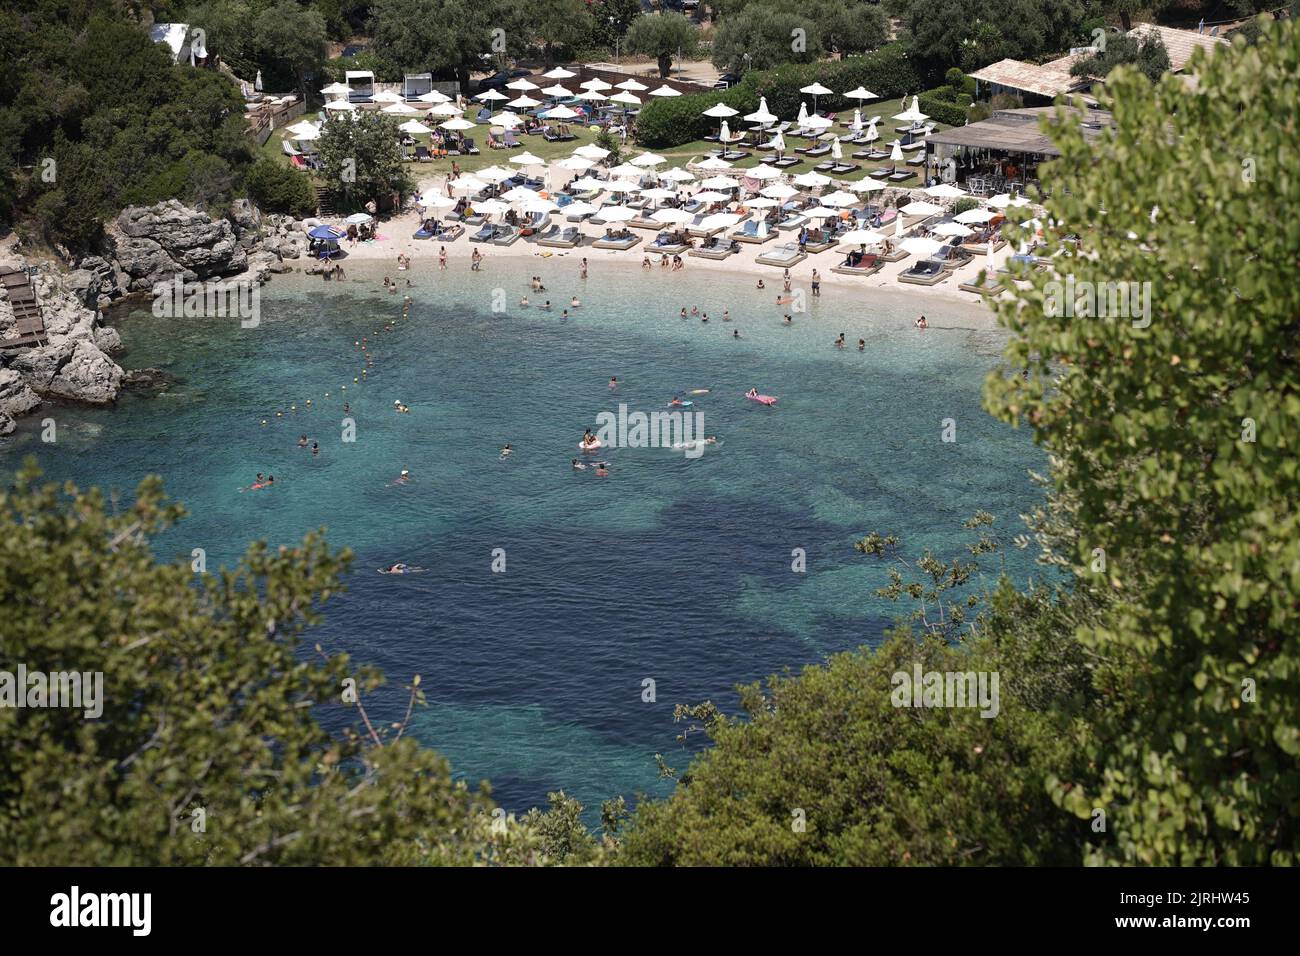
x: 1173, y: 432
x: 292, y: 37
x: 663, y: 36
x: 1147, y: 55
x: 362, y: 159
x: 447, y: 37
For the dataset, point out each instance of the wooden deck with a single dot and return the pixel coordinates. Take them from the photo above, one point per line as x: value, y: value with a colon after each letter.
x: 30, y: 320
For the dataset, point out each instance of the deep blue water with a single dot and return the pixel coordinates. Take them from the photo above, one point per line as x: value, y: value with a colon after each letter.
x: 672, y: 569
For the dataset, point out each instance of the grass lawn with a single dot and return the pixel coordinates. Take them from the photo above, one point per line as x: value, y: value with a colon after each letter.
x: 676, y: 156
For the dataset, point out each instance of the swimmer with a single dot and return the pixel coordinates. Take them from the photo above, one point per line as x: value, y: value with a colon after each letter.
x: 346, y: 408
x: 683, y: 312
x: 752, y: 393
x: 760, y: 285
x: 505, y: 452
x: 315, y: 448
x: 577, y: 465
x: 613, y: 383
x: 564, y: 314
x: 921, y: 323
x: 705, y: 317
x: 403, y: 478
x: 574, y: 303
x: 601, y: 470
x: 523, y: 300
x: 839, y: 343
x: 695, y: 310
x: 726, y: 315
x: 735, y: 333
x: 862, y: 345
x: 788, y: 319
x: 302, y: 441
x: 547, y: 305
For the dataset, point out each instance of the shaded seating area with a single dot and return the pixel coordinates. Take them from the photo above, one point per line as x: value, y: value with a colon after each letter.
x: 670, y: 243
x: 925, y: 272
x: 754, y: 232
x: 718, y: 247
x: 616, y: 239
x: 783, y: 256
x: 561, y: 237
x: 859, y: 264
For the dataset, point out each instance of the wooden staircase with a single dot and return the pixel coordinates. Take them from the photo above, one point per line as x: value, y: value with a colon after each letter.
x: 324, y: 208
x: 29, y: 324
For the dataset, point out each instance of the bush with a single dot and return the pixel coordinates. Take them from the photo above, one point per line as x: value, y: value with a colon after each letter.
x: 944, y: 111
x: 963, y: 205
x: 887, y: 72
x: 275, y: 187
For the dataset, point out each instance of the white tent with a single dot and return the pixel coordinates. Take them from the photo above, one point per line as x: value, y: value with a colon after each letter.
x: 920, y: 208
x: 458, y: 123
x: 559, y: 73
x: 921, y: 246
x: 591, y: 151
x: 632, y: 85
x: 522, y: 84
x: 671, y: 217
x: 665, y: 90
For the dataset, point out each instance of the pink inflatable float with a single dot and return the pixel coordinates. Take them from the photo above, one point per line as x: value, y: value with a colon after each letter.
x: 762, y: 399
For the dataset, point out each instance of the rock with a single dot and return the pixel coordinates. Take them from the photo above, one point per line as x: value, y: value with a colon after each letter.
x: 106, y: 339
x: 88, y: 376
x: 7, y: 424
x: 156, y: 243
x: 245, y: 217
x: 16, y: 397
x: 146, y: 380
x: 85, y: 284
x: 38, y: 366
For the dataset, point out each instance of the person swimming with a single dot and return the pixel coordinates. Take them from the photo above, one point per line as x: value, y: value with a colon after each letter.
x: 577, y: 465
x: 564, y: 314
x: 862, y: 345
x: 403, y: 478
x: 752, y: 393
x: 505, y: 451
x: 315, y: 448
x: 839, y: 343
x: 788, y: 319
x: 302, y: 441
x: 683, y: 312
x: 523, y: 300
x: 921, y: 323
x: 760, y: 285
x: 704, y: 317
x: 574, y: 303
x: 547, y: 305
x: 602, y: 470
x: 735, y: 333
x: 695, y: 310
x: 613, y: 383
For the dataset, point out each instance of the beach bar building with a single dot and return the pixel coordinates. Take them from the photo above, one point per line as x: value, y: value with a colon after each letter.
x: 1002, y: 153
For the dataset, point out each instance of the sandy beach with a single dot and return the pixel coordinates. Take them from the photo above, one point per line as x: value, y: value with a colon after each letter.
x: 395, y: 236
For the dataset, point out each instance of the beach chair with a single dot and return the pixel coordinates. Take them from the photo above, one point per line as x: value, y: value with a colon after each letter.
x: 469, y: 149
x: 925, y: 272
x: 487, y: 232
x: 422, y: 154
x: 509, y: 139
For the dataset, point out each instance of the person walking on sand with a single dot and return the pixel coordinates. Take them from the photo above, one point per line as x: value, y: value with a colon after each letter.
x: 475, y: 259
x: 442, y: 257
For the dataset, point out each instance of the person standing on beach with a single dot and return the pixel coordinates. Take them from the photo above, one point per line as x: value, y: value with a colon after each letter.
x: 816, y: 284
x: 442, y: 257
x: 475, y: 259
x: 583, y: 274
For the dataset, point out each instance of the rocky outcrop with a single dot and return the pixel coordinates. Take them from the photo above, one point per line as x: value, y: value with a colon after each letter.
x: 157, y: 243
x: 16, y: 396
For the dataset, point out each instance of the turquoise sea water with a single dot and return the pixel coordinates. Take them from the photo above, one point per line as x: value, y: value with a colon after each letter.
x: 671, y: 569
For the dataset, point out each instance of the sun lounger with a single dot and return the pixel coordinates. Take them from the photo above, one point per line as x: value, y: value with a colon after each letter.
x: 843, y: 169
x: 509, y: 140
x: 451, y: 232
x: 564, y: 237
x: 667, y: 244
x: 426, y: 231
x: 792, y: 220
x: 422, y: 154
x: 782, y: 256
x: 693, y: 228
x: 622, y: 242
x: 989, y: 288
x: 754, y: 232
x: 785, y: 162
x: 867, y: 265
x: 952, y: 257
x: 715, y: 250
x: 926, y: 272
x: 506, y: 234
x: 486, y: 233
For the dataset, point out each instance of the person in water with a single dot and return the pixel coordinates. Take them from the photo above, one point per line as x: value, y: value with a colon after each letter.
x: 752, y: 393
x: 862, y: 345
x: 613, y: 383
x: 547, y: 305
x: 523, y: 300
x: 683, y: 312
x: 302, y: 441
x: 788, y: 318
x: 921, y: 323
x: 505, y: 451
x: 577, y: 465
x: 761, y: 285
x: 403, y: 478
x: 396, y: 569
x: 839, y: 343
x: 704, y: 317
x: 564, y: 314
x: 574, y: 303
x: 726, y: 315
x: 735, y: 333
x: 601, y: 470
x: 315, y: 448
x: 695, y: 310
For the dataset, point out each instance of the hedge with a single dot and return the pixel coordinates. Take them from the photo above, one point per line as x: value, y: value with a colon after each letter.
x: 887, y: 72
x: 275, y: 187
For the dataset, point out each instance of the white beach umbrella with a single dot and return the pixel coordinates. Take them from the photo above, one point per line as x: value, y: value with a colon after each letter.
x: 618, y: 213
x: 297, y: 130
x: 1004, y: 200
x: 524, y: 102
x: 818, y: 122
x: 815, y: 90
x: 527, y: 159
x: 434, y: 96
x: 838, y: 198
x: 507, y: 119
x: 761, y: 115
x: 575, y: 163
x: 820, y: 212
x: 837, y: 151
x: 444, y: 109
x: 626, y: 98
x: 898, y: 227
x: 647, y: 159
x: 626, y: 169
x: 720, y: 220
x: 856, y: 125
x: 632, y: 85
x: 863, y: 237
x: 458, y: 123
x: 592, y: 96
x: 336, y: 89
x: 913, y: 113
x: 665, y: 90
x: 559, y: 113
x: 861, y: 94
x: 340, y: 106
x: 468, y: 184
x: 921, y: 246
x: 659, y: 192
x: 710, y: 195
x: 720, y: 182
x: 306, y: 135
x: 944, y: 191
x: 400, y: 109
x: 952, y: 230
x: 587, y: 182
x: 494, y: 174
x: 778, y: 191
x: 778, y: 142
x: 518, y: 194
x: 591, y: 151
x: 414, y: 127
x: 762, y: 172
x: 559, y: 73
x: 523, y: 84
x: 580, y: 208
x: 973, y: 217
x: 621, y: 186
x: 872, y: 134
x: 677, y: 175
x: 802, y: 119
x: 811, y: 180
x: 387, y: 96
x: 490, y: 207
x: 760, y: 202
x: 536, y: 203
x: 865, y: 185
x: 712, y: 164
x: 671, y: 217
x: 724, y: 133
x: 490, y: 96
x: 596, y: 84
x: 558, y: 91
x: 437, y: 199
x: 920, y: 208
x: 896, y: 153
x: 720, y: 111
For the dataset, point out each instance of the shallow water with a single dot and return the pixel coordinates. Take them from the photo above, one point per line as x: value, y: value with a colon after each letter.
x: 671, y: 569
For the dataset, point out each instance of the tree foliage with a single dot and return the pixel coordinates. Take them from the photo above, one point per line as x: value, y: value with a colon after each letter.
x: 661, y: 36
x: 1147, y: 55
x: 773, y: 32
x: 362, y: 158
